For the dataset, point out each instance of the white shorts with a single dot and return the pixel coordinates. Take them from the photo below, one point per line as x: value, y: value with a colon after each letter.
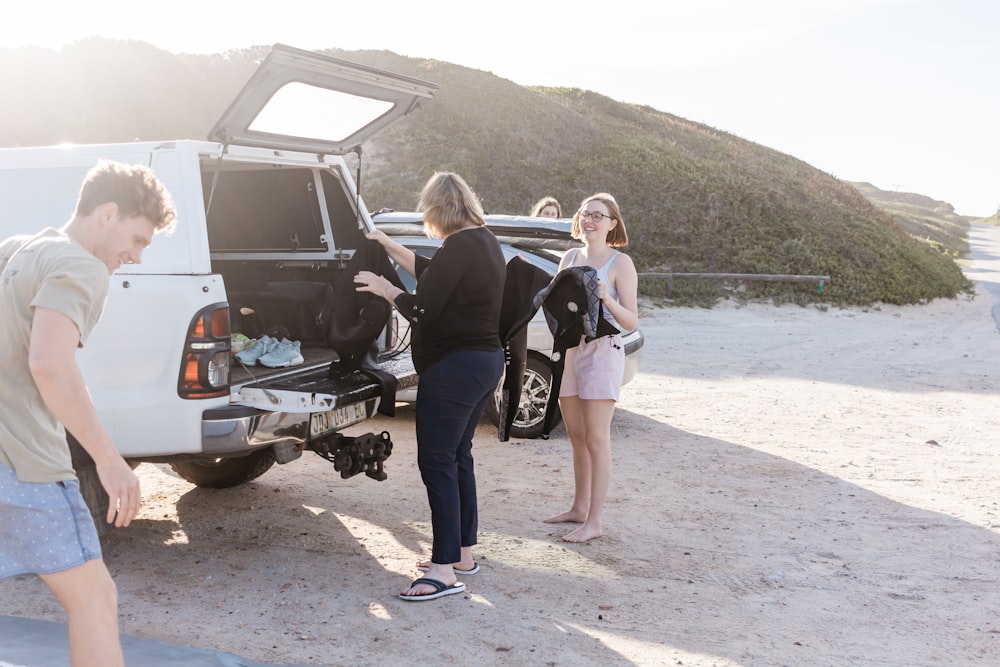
x: 594, y: 370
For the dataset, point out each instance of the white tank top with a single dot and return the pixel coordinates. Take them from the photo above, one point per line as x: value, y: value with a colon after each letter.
x: 602, y: 275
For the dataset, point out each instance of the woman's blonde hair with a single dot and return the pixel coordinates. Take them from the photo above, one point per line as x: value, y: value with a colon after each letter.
x: 449, y: 204
x: 617, y: 237
x: 544, y: 203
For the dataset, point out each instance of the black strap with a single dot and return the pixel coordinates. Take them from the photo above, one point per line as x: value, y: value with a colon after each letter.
x: 558, y: 364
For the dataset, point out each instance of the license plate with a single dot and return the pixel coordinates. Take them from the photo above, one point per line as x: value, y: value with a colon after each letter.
x: 331, y: 420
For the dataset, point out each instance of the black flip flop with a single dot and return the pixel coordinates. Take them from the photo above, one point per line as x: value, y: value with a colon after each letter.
x: 440, y: 590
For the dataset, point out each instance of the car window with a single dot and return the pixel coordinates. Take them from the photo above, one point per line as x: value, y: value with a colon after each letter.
x: 409, y: 282
x: 543, y: 259
x: 540, y: 258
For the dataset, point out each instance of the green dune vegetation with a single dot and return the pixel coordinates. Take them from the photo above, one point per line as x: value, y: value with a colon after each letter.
x: 695, y: 199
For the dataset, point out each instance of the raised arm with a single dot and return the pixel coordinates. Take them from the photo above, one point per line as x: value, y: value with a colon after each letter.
x: 396, y: 251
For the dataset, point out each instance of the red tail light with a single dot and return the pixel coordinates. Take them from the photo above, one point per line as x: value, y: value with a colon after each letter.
x: 204, y: 369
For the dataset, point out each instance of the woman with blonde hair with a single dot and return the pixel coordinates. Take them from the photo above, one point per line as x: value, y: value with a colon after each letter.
x: 455, y: 323
x: 592, y: 377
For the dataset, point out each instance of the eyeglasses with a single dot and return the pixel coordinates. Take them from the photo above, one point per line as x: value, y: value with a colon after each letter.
x: 596, y: 216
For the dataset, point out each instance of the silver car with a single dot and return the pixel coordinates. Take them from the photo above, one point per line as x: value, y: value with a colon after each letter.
x: 542, y: 242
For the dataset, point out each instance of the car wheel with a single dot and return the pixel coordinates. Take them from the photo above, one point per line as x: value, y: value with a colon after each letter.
x: 529, y: 420
x: 224, y: 473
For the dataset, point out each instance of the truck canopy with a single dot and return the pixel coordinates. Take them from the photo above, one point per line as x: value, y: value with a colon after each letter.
x: 303, y: 101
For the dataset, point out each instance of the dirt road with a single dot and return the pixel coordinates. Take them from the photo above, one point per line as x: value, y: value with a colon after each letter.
x: 791, y: 487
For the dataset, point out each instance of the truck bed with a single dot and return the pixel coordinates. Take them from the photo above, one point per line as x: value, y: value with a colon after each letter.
x: 310, y: 387
x: 315, y: 357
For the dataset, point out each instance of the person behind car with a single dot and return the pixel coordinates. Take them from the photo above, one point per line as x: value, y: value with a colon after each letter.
x: 547, y: 207
x: 52, y: 291
x: 455, y: 320
x: 592, y: 376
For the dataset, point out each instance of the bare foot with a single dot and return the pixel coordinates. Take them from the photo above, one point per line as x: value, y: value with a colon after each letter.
x: 460, y: 567
x: 570, y: 516
x: 442, y: 573
x: 582, y: 534
x: 422, y: 589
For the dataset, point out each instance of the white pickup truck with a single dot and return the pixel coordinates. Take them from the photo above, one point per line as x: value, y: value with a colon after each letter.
x: 268, y: 217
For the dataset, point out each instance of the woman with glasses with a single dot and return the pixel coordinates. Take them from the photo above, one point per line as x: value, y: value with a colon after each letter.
x: 592, y: 378
x: 455, y: 323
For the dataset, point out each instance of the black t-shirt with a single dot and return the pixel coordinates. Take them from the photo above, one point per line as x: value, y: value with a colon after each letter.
x: 458, y: 297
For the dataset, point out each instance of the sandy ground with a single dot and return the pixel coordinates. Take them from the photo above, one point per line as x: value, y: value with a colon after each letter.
x: 792, y: 486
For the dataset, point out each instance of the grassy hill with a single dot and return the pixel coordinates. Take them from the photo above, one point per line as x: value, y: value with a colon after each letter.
x: 933, y: 221
x: 694, y: 198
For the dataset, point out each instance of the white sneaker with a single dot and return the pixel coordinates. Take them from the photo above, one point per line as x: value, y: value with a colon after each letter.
x: 285, y: 353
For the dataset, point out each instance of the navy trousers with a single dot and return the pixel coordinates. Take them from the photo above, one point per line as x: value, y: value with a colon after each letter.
x: 450, y: 400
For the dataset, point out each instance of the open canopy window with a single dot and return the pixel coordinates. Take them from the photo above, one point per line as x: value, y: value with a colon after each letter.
x: 304, y: 101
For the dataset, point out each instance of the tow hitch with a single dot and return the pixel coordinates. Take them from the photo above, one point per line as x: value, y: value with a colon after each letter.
x: 353, y: 454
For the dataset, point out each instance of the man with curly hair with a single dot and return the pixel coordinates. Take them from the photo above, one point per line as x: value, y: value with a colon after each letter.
x: 53, y: 286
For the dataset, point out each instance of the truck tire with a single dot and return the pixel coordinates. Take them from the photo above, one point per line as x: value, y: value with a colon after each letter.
x: 90, y: 486
x: 224, y: 473
x: 529, y: 422
x: 96, y: 498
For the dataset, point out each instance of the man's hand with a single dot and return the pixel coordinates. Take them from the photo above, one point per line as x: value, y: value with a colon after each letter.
x: 122, y: 487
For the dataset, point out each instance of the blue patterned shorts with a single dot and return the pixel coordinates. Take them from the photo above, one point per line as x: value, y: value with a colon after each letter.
x: 44, y: 527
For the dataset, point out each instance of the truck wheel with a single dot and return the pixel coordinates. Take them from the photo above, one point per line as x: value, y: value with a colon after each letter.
x: 224, y: 473
x: 529, y: 421
x: 90, y: 486
x: 96, y: 498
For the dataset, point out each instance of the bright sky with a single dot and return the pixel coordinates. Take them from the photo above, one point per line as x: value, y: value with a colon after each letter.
x: 904, y: 94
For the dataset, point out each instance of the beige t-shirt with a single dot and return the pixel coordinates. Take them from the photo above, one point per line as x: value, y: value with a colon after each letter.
x: 48, y: 270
